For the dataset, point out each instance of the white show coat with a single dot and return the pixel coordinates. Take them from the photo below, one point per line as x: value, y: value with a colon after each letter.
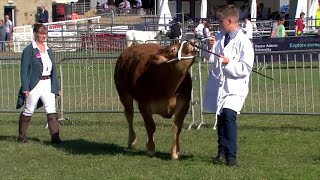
x: 227, y: 85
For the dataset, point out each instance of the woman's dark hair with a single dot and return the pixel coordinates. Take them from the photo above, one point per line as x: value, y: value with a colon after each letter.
x: 40, y: 28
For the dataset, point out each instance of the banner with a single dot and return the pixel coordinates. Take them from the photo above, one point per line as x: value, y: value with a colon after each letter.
x: 286, y: 44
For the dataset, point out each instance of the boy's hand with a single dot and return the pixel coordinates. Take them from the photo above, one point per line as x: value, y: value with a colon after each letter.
x: 224, y: 59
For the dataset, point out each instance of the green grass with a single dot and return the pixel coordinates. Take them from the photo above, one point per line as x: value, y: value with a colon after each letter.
x: 270, y: 147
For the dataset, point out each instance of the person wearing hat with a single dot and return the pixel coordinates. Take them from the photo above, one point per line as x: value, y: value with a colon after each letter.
x: 300, y: 25
x: 198, y: 31
x: 175, y: 31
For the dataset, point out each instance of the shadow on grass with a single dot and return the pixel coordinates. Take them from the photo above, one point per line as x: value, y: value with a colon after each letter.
x: 287, y: 127
x: 83, y: 147
x: 14, y: 138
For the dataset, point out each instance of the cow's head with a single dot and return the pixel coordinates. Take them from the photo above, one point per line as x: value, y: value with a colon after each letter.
x: 176, y: 52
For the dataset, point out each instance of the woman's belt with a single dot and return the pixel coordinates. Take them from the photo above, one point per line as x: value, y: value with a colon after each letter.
x: 45, y: 77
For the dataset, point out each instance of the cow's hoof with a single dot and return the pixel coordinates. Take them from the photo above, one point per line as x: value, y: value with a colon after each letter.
x: 175, y: 157
x: 151, y: 153
x: 132, y: 145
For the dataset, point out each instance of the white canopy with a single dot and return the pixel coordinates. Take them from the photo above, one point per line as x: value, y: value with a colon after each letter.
x: 301, y: 7
x: 203, y: 11
x: 253, y: 10
x: 164, y: 13
x: 64, y: 1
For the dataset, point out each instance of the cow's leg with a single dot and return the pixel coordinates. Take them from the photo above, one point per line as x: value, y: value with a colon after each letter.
x: 127, y: 102
x: 181, y: 110
x: 150, y: 126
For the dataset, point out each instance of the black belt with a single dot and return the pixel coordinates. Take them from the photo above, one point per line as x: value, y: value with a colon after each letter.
x: 45, y: 77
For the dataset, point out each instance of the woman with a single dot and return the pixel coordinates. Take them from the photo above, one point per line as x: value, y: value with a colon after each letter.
x: 39, y: 84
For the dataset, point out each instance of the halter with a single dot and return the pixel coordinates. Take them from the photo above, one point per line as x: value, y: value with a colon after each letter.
x: 179, y: 55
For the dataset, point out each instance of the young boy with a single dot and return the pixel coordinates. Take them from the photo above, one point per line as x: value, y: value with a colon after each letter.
x: 228, y: 80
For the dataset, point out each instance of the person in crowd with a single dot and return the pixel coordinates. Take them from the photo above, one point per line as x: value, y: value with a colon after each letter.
x: 247, y: 27
x: 9, y: 30
x: 138, y: 4
x: 43, y: 15
x: 2, y: 36
x: 74, y: 16
x: 299, y: 25
x: 278, y: 29
x: 262, y: 12
x: 125, y: 4
x: 243, y: 12
x: 228, y: 81
x: 98, y: 6
x: 206, y: 34
x: 198, y: 31
x: 39, y: 84
x: 175, y: 31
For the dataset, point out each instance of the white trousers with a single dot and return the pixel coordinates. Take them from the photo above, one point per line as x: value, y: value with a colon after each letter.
x: 41, y: 91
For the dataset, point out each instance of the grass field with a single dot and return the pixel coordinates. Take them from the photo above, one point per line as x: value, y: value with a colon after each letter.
x: 270, y: 147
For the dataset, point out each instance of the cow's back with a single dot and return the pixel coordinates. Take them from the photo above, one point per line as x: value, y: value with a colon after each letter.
x: 132, y: 63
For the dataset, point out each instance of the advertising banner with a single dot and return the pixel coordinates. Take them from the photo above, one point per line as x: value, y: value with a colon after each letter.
x: 286, y: 44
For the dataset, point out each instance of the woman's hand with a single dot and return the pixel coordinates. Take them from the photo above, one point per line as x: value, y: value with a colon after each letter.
x: 59, y: 93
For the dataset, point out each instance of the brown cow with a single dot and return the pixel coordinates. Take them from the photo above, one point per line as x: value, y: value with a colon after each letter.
x: 151, y: 75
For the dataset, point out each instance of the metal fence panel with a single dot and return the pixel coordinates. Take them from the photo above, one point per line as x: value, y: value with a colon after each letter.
x: 87, y: 80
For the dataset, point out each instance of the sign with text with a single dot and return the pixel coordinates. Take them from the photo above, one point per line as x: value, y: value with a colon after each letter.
x: 286, y: 44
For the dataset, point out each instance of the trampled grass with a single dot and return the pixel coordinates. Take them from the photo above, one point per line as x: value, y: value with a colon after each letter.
x: 270, y: 147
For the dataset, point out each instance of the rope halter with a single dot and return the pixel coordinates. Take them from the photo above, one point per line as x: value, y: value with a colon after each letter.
x: 179, y: 54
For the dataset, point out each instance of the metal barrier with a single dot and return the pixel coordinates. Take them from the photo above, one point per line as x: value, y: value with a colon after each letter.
x: 87, y: 82
x: 296, y: 89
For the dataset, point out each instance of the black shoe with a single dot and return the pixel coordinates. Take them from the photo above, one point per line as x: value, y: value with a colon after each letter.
x: 55, y: 139
x: 232, y: 163
x: 22, y: 138
x: 218, y: 159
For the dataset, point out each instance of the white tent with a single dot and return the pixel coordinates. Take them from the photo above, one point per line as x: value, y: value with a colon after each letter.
x: 64, y: 1
x: 203, y: 11
x: 164, y: 13
x: 301, y: 7
x: 253, y: 10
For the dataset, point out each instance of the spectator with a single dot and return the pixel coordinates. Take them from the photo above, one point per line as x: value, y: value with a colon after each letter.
x: 2, y: 36
x: 198, y: 31
x: 300, y: 25
x: 39, y: 84
x: 247, y: 27
x: 262, y: 12
x: 90, y: 25
x: 9, y: 30
x: 125, y: 4
x: 138, y: 4
x: 74, y: 16
x: 98, y: 6
x: 206, y: 30
x: 43, y: 15
x: 175, y: 31
x: 243, y: 12
x: 276, y: 31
